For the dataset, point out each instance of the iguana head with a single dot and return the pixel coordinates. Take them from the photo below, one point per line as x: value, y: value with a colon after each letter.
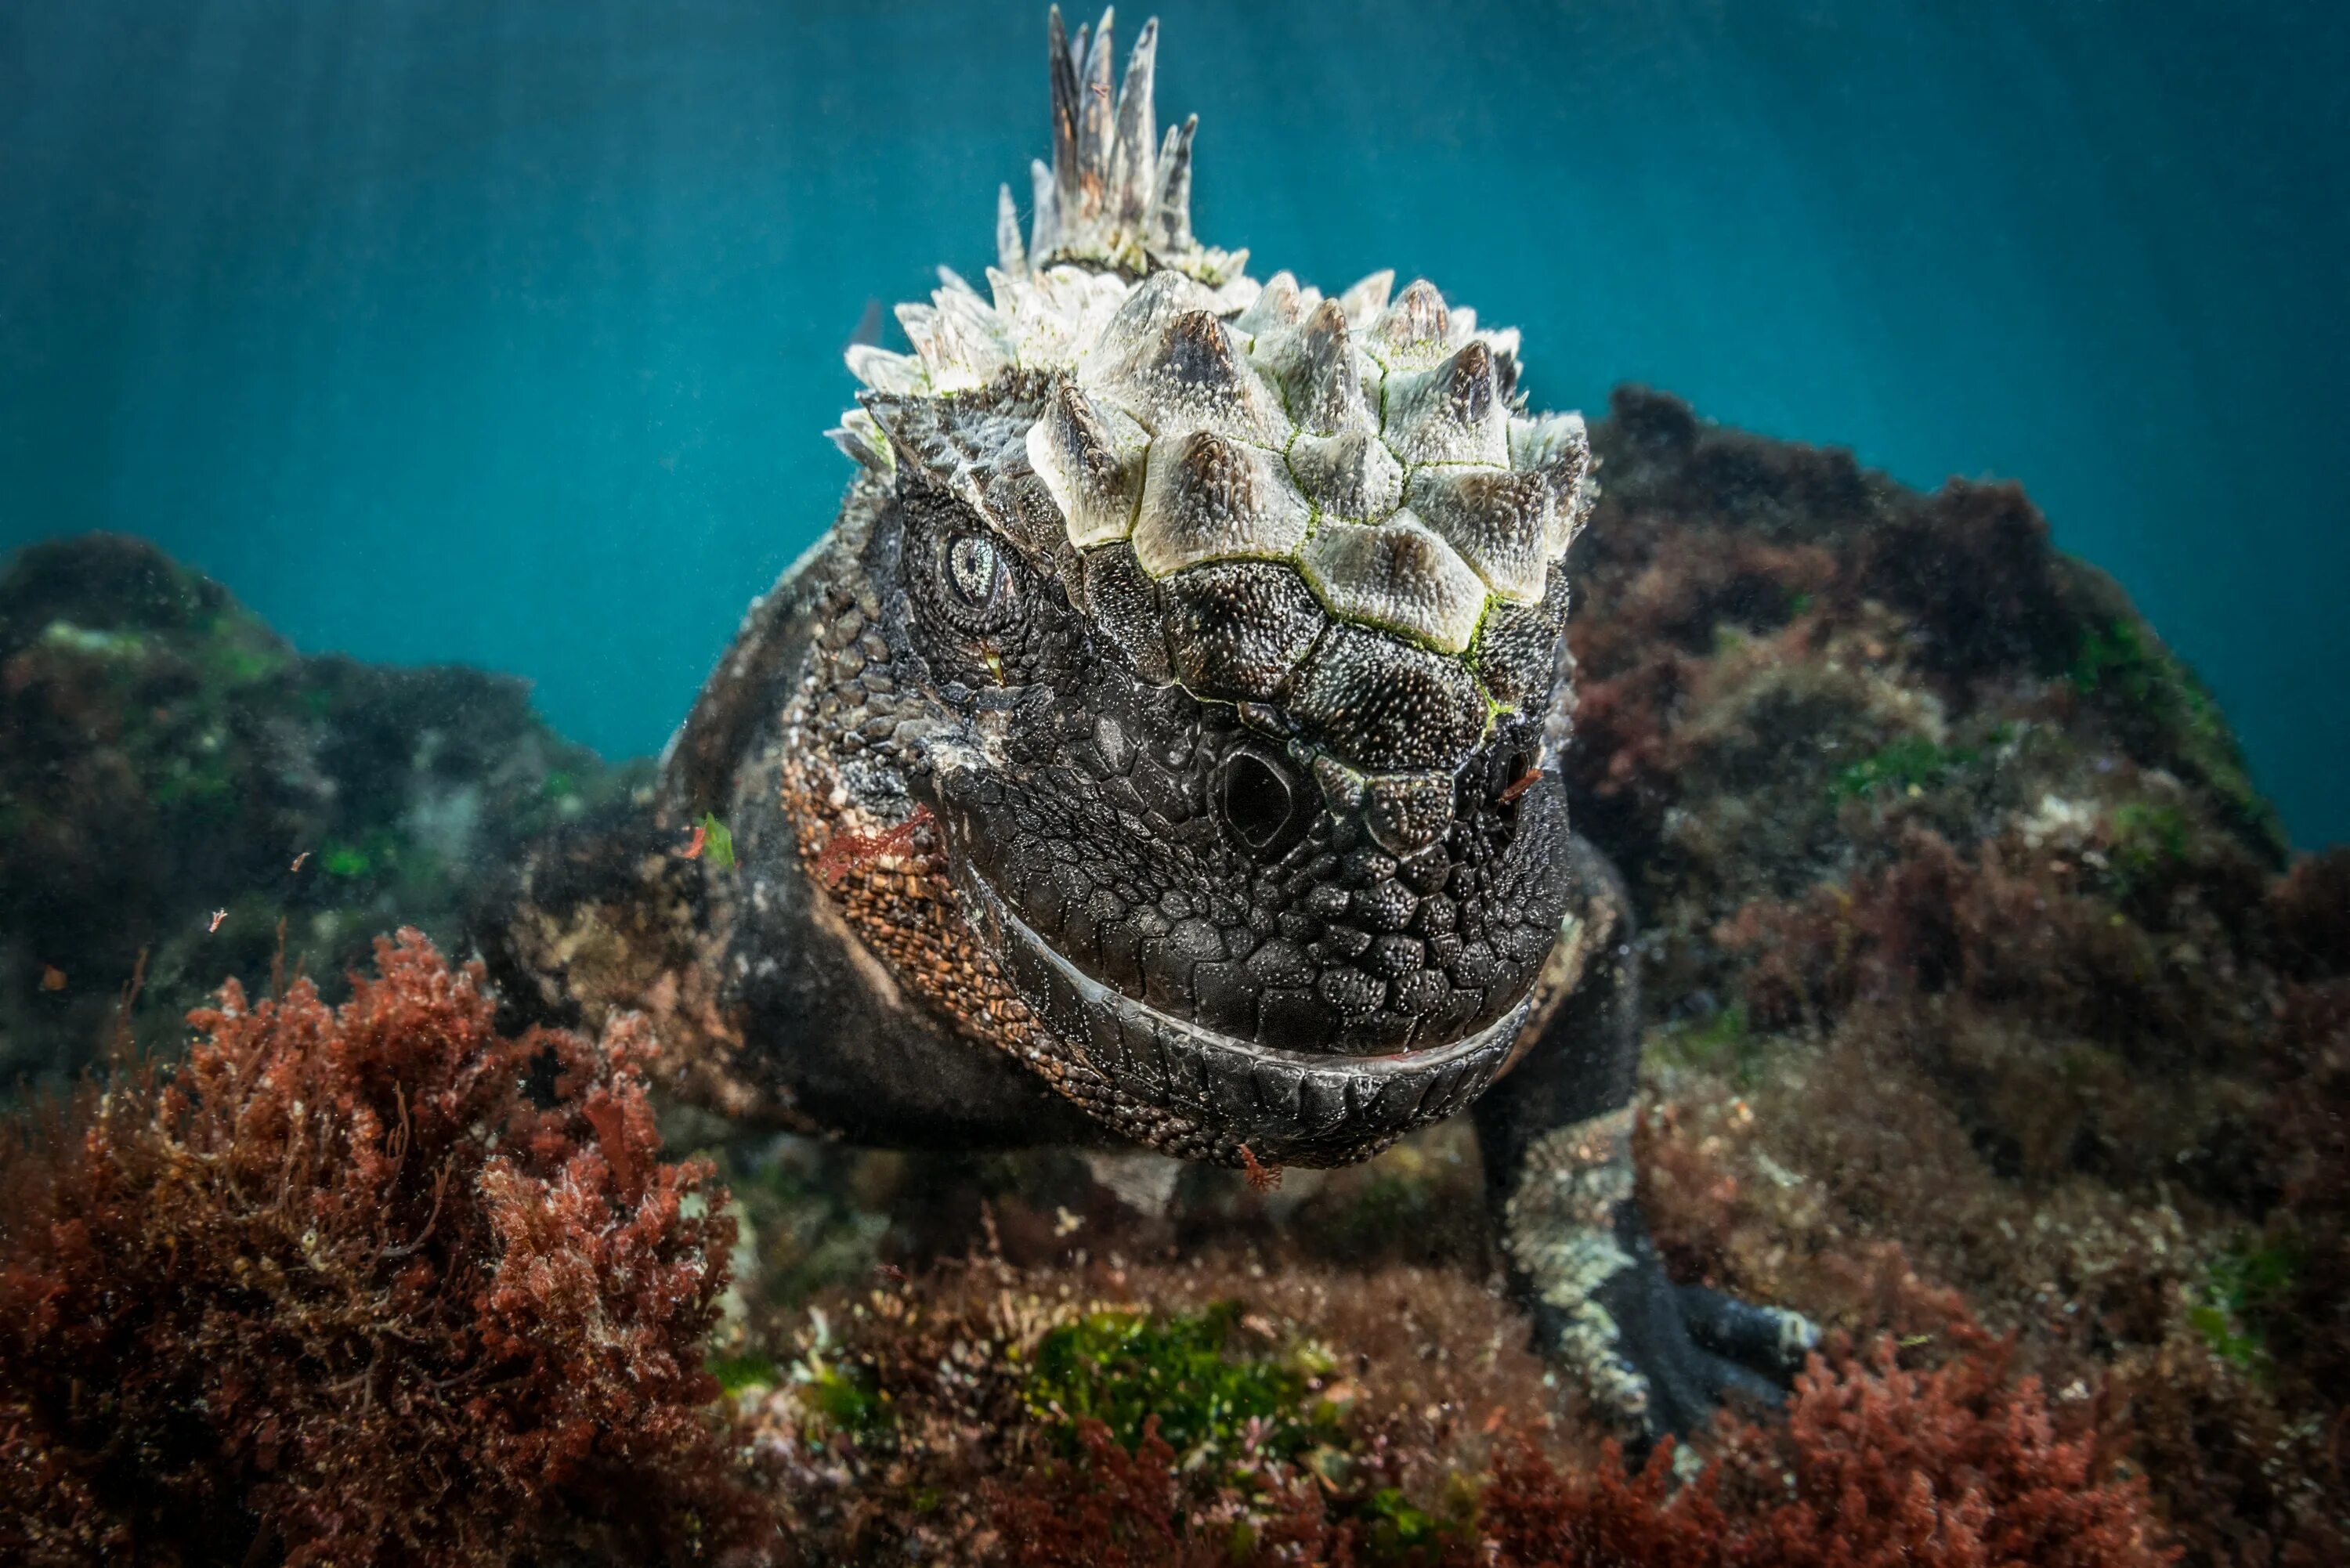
x: 1222, y: 633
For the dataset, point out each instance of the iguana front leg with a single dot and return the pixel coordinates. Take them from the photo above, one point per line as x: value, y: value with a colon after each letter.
x: 1556, y: 1133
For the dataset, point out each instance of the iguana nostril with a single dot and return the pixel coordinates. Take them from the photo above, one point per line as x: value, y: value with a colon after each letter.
x: 1261, y: 804
x: 1513, y: 773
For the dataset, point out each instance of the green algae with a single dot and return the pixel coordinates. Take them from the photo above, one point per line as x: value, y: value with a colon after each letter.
x: 2242, y: 1289
x: 718, y: 842
x: 2120, y: 664
x: 846, y: 1398
x: 743, y: 1370
x: 375, y: 853
x: 1394, y: 1526
x: 1910, y: 765
x: 237, y: 651
x: 345, y: 860
x: 204, y: 780
x: 1213, y: 1399
x: 2116, y: 658
x: 845, y: 1402
x: 1726, y: 1042
x: 2150, y: 841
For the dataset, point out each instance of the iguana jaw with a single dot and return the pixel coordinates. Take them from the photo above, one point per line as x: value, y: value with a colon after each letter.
x: 1287, y: 1107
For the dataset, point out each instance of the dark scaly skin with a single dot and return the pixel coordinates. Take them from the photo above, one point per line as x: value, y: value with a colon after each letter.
x: 1074, y: 941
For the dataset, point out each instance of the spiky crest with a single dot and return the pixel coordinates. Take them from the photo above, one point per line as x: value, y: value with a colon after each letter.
x: 1115, y: 195
x: 1368, y: 449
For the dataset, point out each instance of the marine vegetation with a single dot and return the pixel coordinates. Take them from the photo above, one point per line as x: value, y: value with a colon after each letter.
x: 1875, y: 1465
x: 372, y: 1284
x: 1285, y: 1422
x: 164, y: 756
x: 1964, y: 937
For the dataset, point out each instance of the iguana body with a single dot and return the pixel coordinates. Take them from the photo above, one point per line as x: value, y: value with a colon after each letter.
x: 1160, y: 749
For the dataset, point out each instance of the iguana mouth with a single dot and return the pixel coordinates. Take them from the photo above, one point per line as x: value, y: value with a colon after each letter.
x: 1292, y: 1108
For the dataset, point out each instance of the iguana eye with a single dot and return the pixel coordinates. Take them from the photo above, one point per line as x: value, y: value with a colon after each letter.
x: 970, y: 595
x: 974, y: 571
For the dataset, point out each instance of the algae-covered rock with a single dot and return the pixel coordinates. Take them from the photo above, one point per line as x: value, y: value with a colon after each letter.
x: 165, y: 756
x: 1968, y: 958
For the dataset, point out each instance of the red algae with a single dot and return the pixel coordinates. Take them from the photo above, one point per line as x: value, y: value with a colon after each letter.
x: 1875, y: 1466
x: 850, y: 850
x: 372, y: 1284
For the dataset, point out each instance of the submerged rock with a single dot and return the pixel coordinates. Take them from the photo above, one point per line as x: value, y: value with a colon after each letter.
x: 164, y: 756
x: 1970, y: 960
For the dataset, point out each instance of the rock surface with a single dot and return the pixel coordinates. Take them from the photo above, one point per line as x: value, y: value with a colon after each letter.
x: 164, y: 756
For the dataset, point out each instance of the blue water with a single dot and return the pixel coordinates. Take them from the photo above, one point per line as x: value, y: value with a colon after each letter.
x: 442, y: 330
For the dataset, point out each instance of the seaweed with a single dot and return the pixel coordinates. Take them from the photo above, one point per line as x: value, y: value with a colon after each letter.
x: 2170, y: 717
x: 372, y: 1284
x: 718, y: 842
x: 1875, y: 1465
x: 1181, y: 1372
x: 1910, y: 765
x: 2241, y: 1290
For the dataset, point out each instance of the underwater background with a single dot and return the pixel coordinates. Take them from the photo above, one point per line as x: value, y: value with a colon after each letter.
x: 1987, y: 1017
x: 441, y: 331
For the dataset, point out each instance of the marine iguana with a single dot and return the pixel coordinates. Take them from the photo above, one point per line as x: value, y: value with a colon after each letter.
x: 1162, y: 749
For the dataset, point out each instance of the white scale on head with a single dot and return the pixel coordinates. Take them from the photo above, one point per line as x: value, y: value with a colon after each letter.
x: 1368, y: 441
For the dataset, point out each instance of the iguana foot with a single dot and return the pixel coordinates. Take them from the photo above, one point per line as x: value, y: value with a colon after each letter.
x: 1690, y: 1351
x: 1653, y: 1358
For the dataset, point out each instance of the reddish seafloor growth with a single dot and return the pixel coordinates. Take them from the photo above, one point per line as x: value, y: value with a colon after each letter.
x: 364, y: 1285
x: 1878, y: 1465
